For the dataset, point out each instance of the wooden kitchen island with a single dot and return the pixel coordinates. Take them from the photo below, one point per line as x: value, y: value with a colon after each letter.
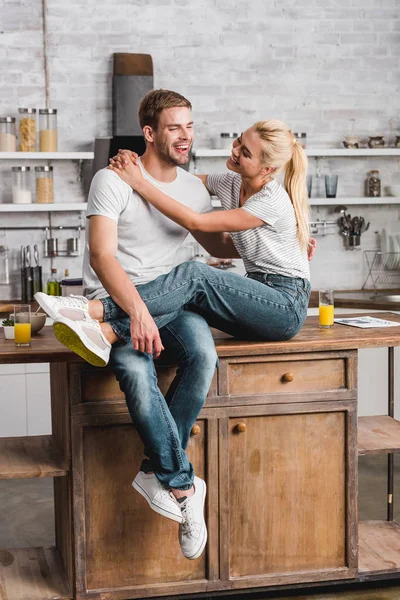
x: 276, y: 443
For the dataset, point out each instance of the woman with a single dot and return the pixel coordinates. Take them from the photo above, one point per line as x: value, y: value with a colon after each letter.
x: 268, y: 229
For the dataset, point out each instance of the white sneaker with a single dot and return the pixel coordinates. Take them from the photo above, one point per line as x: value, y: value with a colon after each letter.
x: 85, y: 338
x: 75, y: 308
x: 193, y: 531
x: 159, y: 498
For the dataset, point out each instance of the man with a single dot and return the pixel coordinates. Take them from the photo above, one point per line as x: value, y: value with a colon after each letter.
x: 131, y: 243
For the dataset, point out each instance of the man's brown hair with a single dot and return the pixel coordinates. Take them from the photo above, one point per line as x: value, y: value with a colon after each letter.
x: 154, y: 102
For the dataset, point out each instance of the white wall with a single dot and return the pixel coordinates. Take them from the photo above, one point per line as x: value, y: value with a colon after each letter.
x: 328, y: 68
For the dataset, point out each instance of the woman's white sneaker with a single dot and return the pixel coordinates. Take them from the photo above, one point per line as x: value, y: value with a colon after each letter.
x: 85, y: 338
x: 75, y: 308
x: 193, y: 531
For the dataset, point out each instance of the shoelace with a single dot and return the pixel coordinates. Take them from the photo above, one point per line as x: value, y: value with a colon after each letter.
x: 188, y: 525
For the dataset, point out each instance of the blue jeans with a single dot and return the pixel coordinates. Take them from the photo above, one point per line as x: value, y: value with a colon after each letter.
x: 164, y: 424
x: 257, y: 307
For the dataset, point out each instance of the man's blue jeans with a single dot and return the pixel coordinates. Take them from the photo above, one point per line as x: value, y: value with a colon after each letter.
x: 164, y: 424
x: 257, y: 307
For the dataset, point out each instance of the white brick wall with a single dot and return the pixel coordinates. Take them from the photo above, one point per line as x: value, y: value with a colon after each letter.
x: 328, y: 68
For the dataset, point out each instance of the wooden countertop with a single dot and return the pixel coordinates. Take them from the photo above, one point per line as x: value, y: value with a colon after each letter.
x: 46, y: 348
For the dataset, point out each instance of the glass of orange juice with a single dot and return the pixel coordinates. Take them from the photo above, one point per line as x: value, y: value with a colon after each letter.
x: 326, y: 309
x: 22, y: 324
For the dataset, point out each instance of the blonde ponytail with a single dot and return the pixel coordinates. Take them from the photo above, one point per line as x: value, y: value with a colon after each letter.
x: 282, y: 151
x: 296, y: 187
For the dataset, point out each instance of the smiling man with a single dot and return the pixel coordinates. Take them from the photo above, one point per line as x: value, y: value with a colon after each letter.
x: 130, y: 243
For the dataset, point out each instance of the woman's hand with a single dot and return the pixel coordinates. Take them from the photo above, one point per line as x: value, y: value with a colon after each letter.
x: 126, y: 166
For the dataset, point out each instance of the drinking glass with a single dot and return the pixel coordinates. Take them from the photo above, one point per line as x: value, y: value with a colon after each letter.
x: 309, y: 185
x: 326, y: 309
x: 22, y: 324
x: 331, y: 182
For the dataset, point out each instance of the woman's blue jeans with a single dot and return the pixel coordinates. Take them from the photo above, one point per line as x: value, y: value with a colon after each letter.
x: 258, y: 307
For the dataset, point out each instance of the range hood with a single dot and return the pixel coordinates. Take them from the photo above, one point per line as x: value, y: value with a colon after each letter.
x: 132, y: 79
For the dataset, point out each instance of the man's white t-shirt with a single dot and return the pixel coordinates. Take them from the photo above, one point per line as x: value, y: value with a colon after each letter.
x: 147, y: 240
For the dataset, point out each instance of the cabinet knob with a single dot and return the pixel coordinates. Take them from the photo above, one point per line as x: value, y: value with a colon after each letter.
x: 195, y: 430
x: 288, y: 377
x: 241, y: 427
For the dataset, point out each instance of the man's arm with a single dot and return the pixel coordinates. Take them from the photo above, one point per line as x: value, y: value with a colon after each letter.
x: 103, y: 243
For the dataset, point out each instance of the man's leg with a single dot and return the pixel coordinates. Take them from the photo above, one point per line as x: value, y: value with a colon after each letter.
x: 188, y: 341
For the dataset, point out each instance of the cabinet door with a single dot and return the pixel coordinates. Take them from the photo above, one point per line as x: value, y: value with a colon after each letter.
x: 121, y: 544
x: 288, y: 495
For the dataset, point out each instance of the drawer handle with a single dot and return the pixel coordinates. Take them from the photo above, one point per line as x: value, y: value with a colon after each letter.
x: 288, y: 377
x: 195, y: 430
x: 241, y: 427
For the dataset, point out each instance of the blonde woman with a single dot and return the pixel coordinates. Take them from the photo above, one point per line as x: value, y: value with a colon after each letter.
x: 262, y: 222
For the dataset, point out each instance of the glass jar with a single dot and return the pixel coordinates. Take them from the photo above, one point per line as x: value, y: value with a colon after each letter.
x: 373, y: 185
x: 47, y: 130
x: 302, y: 139
x: 27, y: 129
x: 44, y: 185
x: 21, y: 185
x: 8, y: 140
x: 224, y: 141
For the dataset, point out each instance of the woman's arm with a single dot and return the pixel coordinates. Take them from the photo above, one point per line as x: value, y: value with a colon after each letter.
x: 220, y: 221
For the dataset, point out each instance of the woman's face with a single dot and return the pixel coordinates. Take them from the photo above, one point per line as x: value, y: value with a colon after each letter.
x: 245, y: 158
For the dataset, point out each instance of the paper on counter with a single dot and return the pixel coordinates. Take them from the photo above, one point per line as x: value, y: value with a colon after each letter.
x: 366, y: 322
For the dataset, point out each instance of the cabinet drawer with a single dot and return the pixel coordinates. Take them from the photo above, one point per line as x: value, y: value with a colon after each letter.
x: 254, y: 377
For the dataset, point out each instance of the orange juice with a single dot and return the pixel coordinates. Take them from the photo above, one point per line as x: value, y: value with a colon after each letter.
x: 326, y: 314
x: 22, y: 333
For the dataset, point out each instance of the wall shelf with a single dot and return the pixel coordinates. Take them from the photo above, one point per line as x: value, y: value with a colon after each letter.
x: 56, y: 207
x: 352, y: 201
x: 361, y: 152
x: 46, y: 155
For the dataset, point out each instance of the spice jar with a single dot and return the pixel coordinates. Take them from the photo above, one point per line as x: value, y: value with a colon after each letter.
x: 21, y: 185
x: 27, y: 129
x: 373, y: 185
x: 7, y: 134
x: 302, y: 139
x: 47, y: 130
x: 44, y: 185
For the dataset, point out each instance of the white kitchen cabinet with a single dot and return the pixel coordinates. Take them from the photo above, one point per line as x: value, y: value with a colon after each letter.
x: 24, y: 400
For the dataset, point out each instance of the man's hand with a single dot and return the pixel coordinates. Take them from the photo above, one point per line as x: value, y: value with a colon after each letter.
x: 144, y: 333
x: 312, y: 245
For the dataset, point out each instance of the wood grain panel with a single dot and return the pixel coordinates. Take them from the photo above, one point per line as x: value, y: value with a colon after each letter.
x: 378, y: 435
x: 287, y: 494
x: 379, y: 547
x: 286, y: 377
x: 126, y: 541
x: 32, y: 574
x: 31, y: 456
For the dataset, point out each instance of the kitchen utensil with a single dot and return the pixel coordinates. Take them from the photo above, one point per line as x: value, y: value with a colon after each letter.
x: 354, y: 225
x: 24, y: 291
x: 73, y: 246
x: 36, y: 272
x: 28, y: 274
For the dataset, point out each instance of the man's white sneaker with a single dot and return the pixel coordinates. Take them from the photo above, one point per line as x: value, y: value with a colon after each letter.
x: 193, y: 531
x: 75, y: 308
x: 160, y: 499
x: 85, y: 338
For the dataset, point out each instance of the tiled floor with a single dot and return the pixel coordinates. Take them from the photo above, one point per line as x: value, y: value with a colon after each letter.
x: 27, y: 519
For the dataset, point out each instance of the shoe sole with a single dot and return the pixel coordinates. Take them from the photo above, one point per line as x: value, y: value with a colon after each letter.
x: 204, y: 540
x: 157, y: 509
x: 40, y: 298
x: 71, y: 340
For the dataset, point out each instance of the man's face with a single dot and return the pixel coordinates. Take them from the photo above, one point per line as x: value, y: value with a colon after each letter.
x: 174, y: 135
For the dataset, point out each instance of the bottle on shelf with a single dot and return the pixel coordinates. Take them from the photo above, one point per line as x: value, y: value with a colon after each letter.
x: 53, y: 285
x: 8, y: 138
x: 27, y: 129
x: 373, y: 185
x: 47, y: 130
